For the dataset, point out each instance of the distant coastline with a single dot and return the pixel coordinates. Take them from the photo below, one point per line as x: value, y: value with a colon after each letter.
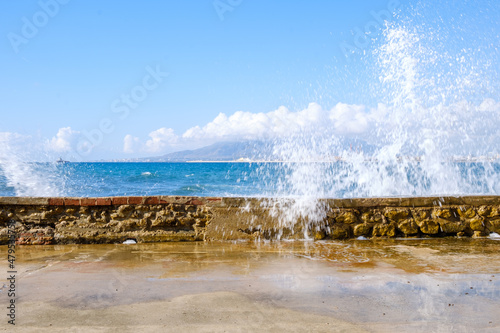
x: 336, y: 159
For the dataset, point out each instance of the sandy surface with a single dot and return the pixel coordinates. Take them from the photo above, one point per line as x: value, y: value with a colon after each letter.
x: 438, y: 285
x: 213, y: 312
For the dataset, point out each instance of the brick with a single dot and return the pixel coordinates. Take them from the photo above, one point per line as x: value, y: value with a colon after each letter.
x: 119, y: 200
x: 56, y: 202
x: 88, y: 201
x: 103, y: 201
x: 135, y: 200
x: 151, y: 201
x: 71, y: 202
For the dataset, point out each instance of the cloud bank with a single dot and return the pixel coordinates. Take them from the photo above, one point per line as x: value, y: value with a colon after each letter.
x: 344, y: 119
x: 463, y: 124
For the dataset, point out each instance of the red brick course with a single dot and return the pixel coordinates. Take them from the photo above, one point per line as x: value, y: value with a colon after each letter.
x: 72, y: 202
x: 56, y: 201
x: 119, y: 200
x: 135, y: 200
x: 103, y: 202
x: 88, y: 201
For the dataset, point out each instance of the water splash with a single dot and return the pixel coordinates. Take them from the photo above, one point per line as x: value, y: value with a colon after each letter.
x: 435, y: 85
x: 25, y: 178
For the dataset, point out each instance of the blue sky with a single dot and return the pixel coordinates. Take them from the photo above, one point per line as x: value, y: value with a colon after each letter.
x: 65, y: 81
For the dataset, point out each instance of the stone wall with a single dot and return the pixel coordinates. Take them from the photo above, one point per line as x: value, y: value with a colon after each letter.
x: 169, y: 218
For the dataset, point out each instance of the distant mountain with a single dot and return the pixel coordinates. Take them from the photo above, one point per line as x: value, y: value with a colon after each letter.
x: 255, y: 150
x: 221, y: 151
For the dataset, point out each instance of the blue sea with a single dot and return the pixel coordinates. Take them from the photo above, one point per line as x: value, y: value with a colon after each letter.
x: 335, y: 180
x: 121, y: 179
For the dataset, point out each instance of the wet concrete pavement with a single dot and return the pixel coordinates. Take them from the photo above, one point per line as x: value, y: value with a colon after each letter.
x: 410, y: 285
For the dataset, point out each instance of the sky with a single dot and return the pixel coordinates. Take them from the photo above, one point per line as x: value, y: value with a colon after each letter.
x: 88, y: 80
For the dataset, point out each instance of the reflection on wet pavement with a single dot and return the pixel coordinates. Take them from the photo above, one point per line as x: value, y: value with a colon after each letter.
x: 376, y: 285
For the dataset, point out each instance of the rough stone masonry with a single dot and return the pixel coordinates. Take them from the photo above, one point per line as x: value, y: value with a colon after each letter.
x: 40, y: 221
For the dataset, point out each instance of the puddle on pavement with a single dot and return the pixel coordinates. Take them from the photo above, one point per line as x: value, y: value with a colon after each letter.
x: 377, y: 285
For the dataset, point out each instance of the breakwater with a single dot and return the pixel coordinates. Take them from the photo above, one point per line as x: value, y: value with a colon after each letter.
x: 41, y: 221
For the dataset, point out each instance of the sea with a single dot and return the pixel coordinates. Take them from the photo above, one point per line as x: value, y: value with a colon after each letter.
x: 100, y: 179
x: 238, y: 179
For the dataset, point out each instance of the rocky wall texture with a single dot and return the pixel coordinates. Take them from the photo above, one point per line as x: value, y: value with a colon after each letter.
x: 168, y: 218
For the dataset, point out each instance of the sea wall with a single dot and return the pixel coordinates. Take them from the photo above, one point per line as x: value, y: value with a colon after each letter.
x: 172, y: 218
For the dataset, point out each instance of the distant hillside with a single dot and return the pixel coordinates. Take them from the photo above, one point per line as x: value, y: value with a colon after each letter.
x: 232, y: 151
x: 221, y: 151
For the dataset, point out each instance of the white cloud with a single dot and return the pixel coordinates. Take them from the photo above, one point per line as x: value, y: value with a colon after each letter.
x: 161, y: 139
x: 130, y: 144
x: 64, y: 141
x: 350, y: 119
x: 346, y: 119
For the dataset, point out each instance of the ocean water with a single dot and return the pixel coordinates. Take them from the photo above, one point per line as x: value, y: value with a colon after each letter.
x: 220, y: 179
x: 122, y: 179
